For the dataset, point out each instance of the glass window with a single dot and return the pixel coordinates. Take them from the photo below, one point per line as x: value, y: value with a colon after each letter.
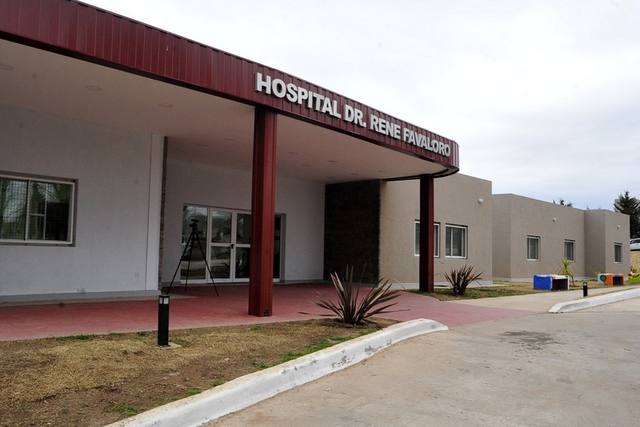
x: 196, y: 268
x: 455, y: 241
x: 617, y: 252
x: 13, y: 209
x: 225, y: 236
x: 220, y: 263
x: 569, y: 250
x: 220, y: 227
x: 533, y: 248
x: 243, y: 228
x: 35, y: 210
x: 436, y: 239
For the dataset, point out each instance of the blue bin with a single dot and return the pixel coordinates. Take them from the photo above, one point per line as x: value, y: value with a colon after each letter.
x: 543, y: 281
x: 550, y: 282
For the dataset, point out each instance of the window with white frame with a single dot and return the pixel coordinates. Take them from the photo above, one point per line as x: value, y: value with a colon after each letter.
x: 533, y: 248
x: 455, y: 241
x: 436, y: 239
x: 617, y: 252
x: 569, y: 250
x: 36, y: 210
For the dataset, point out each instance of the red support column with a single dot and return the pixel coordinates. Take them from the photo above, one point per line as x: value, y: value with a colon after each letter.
x: 263, y: 191
x: 426, y: 234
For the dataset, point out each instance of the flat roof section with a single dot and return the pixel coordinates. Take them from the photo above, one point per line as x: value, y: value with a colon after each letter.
x: 82, y: 31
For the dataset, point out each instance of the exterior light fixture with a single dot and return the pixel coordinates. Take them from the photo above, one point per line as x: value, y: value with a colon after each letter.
x: 619, y: 226
x: 555, y: 219
x: 163, y: 320
x: 480, y: 201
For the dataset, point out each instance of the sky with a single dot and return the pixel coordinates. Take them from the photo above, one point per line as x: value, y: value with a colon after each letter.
x: 542, y: 96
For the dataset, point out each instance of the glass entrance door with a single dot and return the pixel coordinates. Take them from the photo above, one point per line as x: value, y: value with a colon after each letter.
x: 221, y: 244
x: 242, y: 246
x: 228, y: 243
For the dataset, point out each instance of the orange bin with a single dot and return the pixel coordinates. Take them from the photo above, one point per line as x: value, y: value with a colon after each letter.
x: 610, y: 279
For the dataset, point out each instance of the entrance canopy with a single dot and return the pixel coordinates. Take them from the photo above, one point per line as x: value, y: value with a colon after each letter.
x: 201, y: 127
x: 323, y: 135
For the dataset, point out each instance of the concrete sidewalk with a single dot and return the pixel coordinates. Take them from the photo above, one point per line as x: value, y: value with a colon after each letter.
x: 539, y: 302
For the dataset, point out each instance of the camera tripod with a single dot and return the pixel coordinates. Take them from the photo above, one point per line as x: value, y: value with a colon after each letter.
x: 187, y: 254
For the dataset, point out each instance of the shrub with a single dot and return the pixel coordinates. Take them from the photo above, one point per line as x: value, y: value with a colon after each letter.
x: 353, y: 310
x: 565, y: 270
x: 460, y: 278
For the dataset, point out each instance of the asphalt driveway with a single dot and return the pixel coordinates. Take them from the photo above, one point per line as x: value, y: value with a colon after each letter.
x: 578, y: 369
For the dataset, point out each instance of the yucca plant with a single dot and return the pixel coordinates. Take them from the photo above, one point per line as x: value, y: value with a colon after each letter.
x: 353, y: 310
x: 460, y: 278
x: 565, y: 270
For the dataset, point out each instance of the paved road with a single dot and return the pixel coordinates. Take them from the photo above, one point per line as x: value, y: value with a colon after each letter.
x: 578, y: 369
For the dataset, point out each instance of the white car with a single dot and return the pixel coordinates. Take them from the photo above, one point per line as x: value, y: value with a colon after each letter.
x: 634, y: 244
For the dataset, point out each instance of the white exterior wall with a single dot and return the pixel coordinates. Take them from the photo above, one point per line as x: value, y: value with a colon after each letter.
x: 114, y: 245
x: 302, y: 203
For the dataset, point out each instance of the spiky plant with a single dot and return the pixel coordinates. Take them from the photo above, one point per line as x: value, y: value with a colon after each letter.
x: 353, y: 310
x: 461, y: 277
x: 565, y: 270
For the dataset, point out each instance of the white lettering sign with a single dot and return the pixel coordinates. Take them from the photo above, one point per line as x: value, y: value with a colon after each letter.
x: 350, y: 114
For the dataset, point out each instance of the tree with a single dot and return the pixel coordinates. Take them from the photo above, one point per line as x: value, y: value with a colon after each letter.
x: 629, y: 205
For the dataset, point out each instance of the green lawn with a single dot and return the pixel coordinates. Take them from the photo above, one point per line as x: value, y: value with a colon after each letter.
x: 504, y: 290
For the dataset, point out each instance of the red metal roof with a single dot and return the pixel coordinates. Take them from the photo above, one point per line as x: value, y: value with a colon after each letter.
x: 86, y: 32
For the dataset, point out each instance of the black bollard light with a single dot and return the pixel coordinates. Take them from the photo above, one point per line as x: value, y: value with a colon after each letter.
x: 585, y: 289
x: 163, y: 320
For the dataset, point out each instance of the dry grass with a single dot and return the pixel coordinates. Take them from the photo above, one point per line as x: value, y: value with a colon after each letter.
x: 94, y: 380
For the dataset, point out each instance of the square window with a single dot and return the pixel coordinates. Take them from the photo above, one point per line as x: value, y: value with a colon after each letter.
x: 533, y: 248
x: 456, y: 241
x: 569, y: 250
x: 617, y: 252
x: 36, y: 210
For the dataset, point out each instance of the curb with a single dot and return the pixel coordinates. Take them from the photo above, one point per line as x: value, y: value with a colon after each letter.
x: 250, y: 389
x: 581, y: 304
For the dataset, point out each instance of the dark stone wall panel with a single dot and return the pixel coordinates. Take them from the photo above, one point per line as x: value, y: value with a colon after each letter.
x: 352, y: 229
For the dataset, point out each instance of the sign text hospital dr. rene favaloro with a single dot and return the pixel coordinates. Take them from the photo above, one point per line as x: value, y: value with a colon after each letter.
x: 325, y: 105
